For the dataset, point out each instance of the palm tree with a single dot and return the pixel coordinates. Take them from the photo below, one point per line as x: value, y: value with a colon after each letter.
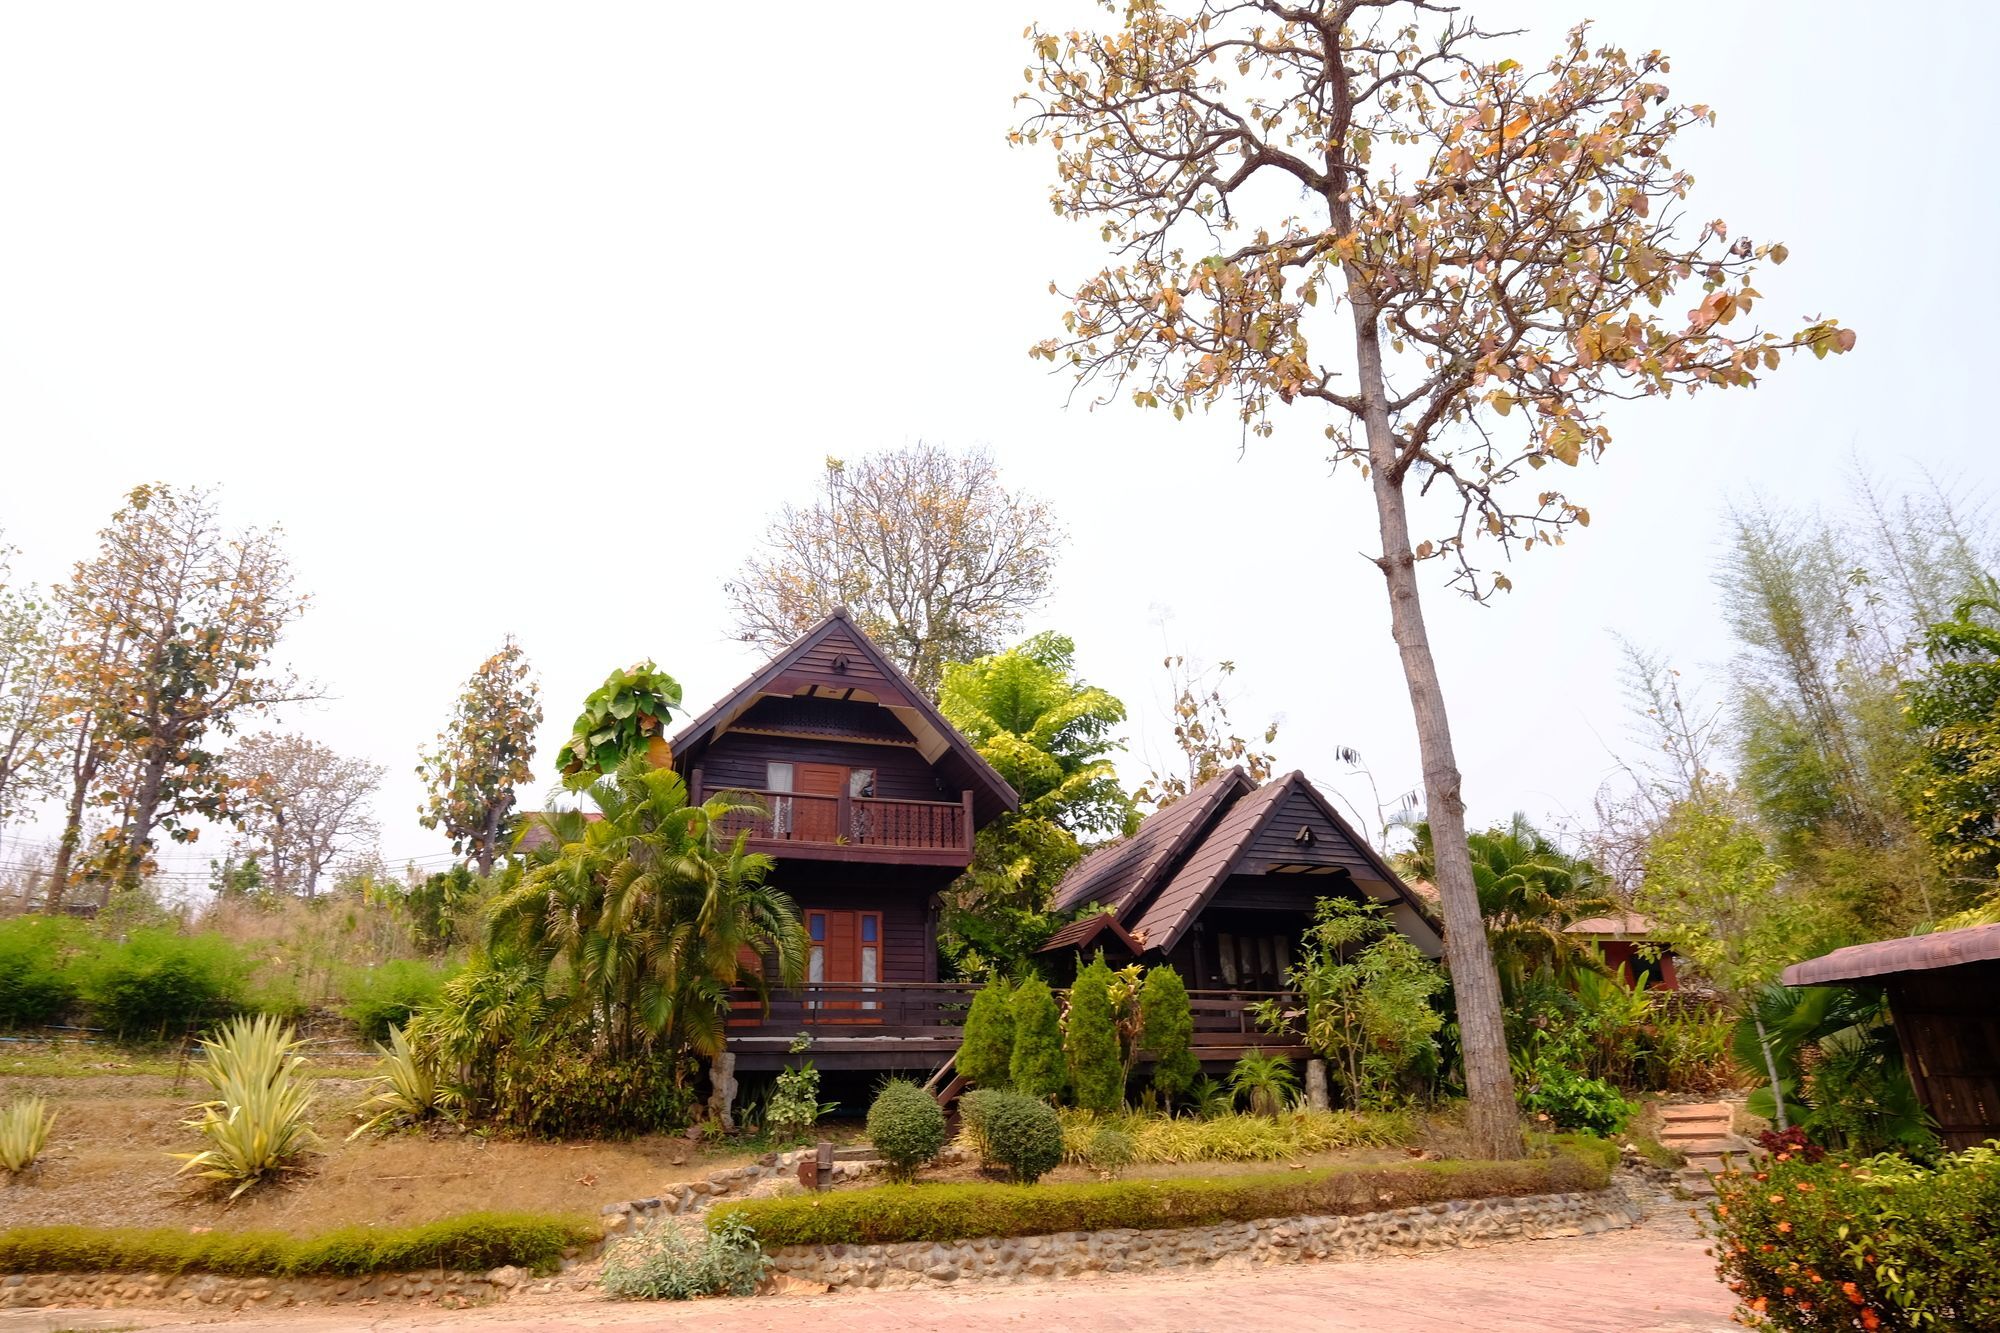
x: 643, y: 919
x: 1530, y: 890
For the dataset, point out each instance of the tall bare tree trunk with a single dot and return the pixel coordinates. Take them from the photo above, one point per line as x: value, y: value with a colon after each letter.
x: 1489, y: 1080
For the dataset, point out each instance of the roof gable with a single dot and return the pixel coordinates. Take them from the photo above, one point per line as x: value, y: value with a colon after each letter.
x: 1122, y: 874
x: 1161, y: 879
x: 835, y: 659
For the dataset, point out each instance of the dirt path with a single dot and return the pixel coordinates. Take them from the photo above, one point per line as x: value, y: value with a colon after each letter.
x: 1652, y: 1279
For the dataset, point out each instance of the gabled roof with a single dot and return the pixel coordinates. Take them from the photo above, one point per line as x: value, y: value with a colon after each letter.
x: 1083, y: 933
x: 1161, y: 879
x: 835, y: 659
x: 1622, y: 926
x: 1120, y: 873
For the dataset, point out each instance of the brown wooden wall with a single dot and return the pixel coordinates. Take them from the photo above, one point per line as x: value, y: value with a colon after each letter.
x: 1274, y: 843
x: 1948, y: 1021
x: 738, y: 759
x: 901, y: 894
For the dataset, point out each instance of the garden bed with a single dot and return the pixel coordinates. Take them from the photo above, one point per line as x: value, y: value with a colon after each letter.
x: 891, y: 1214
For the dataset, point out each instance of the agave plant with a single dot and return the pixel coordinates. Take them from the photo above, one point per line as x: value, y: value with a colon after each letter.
x: 24, y: 1131
x: 409, y: 1091
x: 258, y: 1125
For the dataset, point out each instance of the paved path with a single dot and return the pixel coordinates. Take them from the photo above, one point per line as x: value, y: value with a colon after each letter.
x: 1652, y: 1279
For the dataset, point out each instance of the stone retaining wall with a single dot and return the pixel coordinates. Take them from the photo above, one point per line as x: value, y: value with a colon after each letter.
x: 1277, y: 1240
x: 215, y: 1291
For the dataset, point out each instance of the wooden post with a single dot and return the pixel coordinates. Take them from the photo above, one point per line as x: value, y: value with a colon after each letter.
x: 843, y: 815
x: 965, y: 810
x: 823, y: 1159
x: 1317, y: 1095
x: 694, y: 786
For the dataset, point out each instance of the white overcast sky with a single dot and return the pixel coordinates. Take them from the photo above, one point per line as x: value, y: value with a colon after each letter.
x: 523, y: 318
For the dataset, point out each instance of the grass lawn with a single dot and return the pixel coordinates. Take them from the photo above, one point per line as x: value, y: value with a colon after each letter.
x: 118, y: 1116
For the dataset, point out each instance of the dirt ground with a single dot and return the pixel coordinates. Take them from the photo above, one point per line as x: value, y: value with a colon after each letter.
x: 107, y: 1165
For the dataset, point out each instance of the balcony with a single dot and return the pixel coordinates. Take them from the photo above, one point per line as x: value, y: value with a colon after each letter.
x: 918, y: 1025
x: 853, y: 828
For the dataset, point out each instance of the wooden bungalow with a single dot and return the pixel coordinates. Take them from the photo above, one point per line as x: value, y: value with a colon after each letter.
x: 1221, y: 885
x: 1632, y: 946
x: 870, y: 801
x: 1944, y: 997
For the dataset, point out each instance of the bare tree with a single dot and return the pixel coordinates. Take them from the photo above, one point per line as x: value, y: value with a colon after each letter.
x: 1507, y: 243
x: 31, y: 724
x: 303, y: 806
x: 935, y: 558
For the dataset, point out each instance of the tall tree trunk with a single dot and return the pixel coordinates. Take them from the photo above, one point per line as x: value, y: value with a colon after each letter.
x: 1489, y: 1081
x: 1771, y: 1068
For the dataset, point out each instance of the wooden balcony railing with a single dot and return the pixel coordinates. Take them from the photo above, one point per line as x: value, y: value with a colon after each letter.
x: 931, y: 1015
x: 868, y: 823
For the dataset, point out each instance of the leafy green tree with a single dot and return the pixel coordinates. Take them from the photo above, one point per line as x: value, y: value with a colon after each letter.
x: 1090, y: 1042
x: 486, y: 749
x: 1036, y: 1068
x: 1366, y: 993
x: 1494, y: 249
x: 1529, y: 891
x: 1952, y: 784
x: 986, y: 1054
x: 626, y: 715
x: 642, y: 918
x: 1050, y: 735
x: 1166, y: 1031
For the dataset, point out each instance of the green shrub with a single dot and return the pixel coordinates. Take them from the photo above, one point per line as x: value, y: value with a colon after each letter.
x: 1868, y: 1243
x: 157, y: 982
x: 1231, y: 1137
x: 1110, y: 1150
x: 38, y: 981
x: 795, y: 1106
x: 1571, y: 1101
x: 1016, y: 1131
x: 941, y: 1213
x: 667, y: 1264
x: 407, y: 1088
x: 260, y: 1121
x: 1166, y: 1029
x: 557, y: 1090
x: 24, y: 1131
x: 907, y: 1127
x: 389, y: 995
x: 1090, y: 1042
x: 1266, y: 1082
x: 473, y: 1242
x: 987, y: 1050
x: 1036, y: 1067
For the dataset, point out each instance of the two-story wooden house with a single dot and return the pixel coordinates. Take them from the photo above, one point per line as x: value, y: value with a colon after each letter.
x: 870, y: 803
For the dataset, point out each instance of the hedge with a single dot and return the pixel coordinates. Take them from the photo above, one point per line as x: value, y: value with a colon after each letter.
x: 472, y: 1242
x: 1880, y: 1243
x: 890, y: 1213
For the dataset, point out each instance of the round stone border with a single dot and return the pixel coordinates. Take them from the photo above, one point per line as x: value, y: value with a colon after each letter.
x: 1067, y: 1254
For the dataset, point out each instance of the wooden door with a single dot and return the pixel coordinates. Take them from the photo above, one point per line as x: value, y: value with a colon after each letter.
x: 817, y: 818
x: 844, y: 951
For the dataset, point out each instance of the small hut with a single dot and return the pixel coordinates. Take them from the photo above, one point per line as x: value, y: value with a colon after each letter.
x: 1631, y: 945
x: 1944, y: 996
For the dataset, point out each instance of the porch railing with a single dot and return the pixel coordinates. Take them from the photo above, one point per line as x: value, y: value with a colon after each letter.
x: 854, y: 821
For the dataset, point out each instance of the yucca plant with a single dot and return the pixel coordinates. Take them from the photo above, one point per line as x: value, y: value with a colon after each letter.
x: 258, y: 1124
x: 408, y: 1089
x: 24, y: 1131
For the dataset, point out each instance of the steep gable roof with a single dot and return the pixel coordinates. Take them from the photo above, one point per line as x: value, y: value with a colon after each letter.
x: 1238, y: 838
x: 1122, y: 873
x: 1161, y: 879
x: 835, y: 659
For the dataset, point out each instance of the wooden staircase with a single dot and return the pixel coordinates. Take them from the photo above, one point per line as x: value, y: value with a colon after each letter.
x: 1701, y: 1132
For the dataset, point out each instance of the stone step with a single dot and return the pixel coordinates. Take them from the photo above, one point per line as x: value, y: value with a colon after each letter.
x: 1701, y: 1140
x: 1706, y: 1111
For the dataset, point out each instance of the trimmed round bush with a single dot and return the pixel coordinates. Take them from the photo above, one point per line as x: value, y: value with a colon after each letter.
x: 1020, y: 1133
x: 907, y: 1127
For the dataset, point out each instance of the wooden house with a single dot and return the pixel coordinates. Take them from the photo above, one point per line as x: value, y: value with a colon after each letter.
x: 870, y: 801
x: 1632, y: 946
x: 1221, y: 885
x: 1944, y: 998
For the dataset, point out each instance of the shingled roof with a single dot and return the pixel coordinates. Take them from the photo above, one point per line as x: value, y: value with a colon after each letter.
x: 1159, y: 881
